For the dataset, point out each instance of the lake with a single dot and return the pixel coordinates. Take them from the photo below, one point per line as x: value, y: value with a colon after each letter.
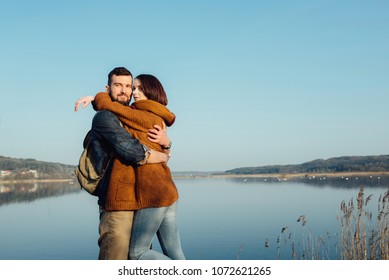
x: 219, y: 218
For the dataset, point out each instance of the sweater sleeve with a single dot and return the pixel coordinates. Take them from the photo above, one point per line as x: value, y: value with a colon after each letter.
x: 128, y: 116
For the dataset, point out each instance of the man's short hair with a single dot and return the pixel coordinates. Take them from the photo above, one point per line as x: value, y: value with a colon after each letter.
x: 118, y: 71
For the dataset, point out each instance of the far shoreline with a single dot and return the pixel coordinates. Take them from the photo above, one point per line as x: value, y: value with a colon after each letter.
x: 32, y: 181
x: 285, y: 175
x: 204, y: 175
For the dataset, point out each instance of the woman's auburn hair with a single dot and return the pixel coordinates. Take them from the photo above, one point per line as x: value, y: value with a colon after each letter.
x: 152, y: 88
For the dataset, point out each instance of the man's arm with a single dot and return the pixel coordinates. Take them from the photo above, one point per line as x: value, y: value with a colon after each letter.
x: 107, y: 126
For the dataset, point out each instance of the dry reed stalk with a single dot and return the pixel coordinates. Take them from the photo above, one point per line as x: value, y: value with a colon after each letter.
x: 364, y: 238
x: 299, y: 244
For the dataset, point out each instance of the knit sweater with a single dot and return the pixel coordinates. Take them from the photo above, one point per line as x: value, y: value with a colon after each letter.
x: 150, y: 185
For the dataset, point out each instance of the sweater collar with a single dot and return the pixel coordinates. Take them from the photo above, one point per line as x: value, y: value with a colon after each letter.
x: 157, y: 109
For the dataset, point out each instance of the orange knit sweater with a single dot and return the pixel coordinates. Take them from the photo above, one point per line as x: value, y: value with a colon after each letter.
x: 150, y: 185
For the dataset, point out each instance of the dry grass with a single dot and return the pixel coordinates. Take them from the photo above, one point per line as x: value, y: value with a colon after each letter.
x: 363, y: 235
x: 301, y: 244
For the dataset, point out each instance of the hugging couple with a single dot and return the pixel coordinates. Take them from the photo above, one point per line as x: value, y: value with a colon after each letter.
x: 137, y: 197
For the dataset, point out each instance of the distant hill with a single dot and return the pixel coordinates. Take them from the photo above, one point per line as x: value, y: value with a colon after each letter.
x: 44, y: 169
x: 336, y: 164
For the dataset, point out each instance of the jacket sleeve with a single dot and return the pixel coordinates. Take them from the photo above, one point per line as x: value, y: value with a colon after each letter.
x: 107, y: 127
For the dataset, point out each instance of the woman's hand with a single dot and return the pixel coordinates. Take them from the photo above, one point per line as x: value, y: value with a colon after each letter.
x: 158, y: 135
x: 86, y: 100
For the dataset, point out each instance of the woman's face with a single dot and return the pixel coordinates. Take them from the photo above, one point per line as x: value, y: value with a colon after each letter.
x: 137, y: 91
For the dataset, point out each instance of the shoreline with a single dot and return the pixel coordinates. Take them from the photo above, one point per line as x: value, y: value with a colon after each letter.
x: 203, y: 176
x: 285, y: 175
x: 32, y: 181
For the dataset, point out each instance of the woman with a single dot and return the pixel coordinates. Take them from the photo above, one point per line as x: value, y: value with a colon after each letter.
x: 155, y: 190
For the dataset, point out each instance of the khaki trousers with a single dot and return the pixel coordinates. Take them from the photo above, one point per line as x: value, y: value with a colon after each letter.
x: 115, y: 233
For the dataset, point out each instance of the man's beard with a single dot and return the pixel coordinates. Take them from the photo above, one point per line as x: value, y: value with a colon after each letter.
x: 120, y: 101
x: 124, y: 102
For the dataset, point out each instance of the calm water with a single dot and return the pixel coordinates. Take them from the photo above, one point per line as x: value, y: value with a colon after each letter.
x: 218, y: 218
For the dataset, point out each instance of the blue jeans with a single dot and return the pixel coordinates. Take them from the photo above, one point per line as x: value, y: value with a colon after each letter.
x: 161, y: 221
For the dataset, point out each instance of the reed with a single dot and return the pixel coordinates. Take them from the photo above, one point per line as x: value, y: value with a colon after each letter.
x: 301, y: 244
x: 363, y: 235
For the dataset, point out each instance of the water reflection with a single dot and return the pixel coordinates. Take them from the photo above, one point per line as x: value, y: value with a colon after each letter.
x: 343, y: 182
x: 27, y: 192
x: 219, y: 218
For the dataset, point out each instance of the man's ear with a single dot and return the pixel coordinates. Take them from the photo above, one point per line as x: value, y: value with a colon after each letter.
x: 107, y: 89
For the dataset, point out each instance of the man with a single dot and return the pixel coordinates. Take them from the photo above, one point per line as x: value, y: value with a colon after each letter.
x: 117, y: 197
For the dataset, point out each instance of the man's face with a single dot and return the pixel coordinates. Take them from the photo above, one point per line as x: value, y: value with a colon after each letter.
x: 120, y: 89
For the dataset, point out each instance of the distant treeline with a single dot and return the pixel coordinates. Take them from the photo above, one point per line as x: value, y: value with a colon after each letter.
x: 44, y: 169
x: 337, y: 164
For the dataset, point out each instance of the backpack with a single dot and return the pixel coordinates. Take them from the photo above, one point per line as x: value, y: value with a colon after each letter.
x: 86, y: 172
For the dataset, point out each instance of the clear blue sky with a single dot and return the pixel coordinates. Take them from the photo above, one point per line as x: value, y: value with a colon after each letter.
x: 252, y: 82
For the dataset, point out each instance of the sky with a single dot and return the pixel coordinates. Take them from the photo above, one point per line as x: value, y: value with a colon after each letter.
x: 252, y: 83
